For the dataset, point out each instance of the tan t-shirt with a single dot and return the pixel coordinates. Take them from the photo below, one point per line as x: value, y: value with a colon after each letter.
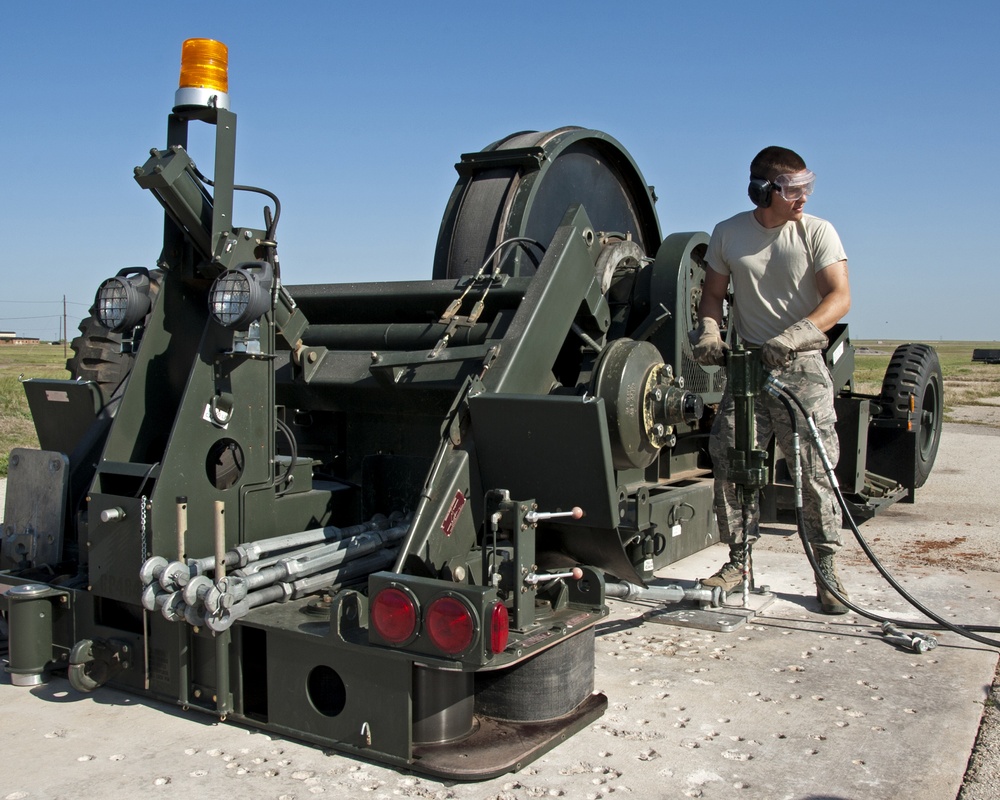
x: 773, y: 270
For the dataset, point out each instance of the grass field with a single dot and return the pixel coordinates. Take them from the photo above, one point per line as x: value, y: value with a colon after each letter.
x: 965, y: 383
x: 27, y: 361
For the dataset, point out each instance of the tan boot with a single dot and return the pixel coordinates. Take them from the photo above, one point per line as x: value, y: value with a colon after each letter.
x: 828, y: 603
x: 731, y: 574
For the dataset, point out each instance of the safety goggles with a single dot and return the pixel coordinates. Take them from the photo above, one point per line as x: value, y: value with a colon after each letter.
x: 795, y: 185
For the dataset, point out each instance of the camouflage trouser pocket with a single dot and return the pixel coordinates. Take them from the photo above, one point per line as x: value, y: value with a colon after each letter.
x: 831, y: 444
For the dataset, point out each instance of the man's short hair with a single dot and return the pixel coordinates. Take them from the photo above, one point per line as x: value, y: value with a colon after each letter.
x: 773, y: 161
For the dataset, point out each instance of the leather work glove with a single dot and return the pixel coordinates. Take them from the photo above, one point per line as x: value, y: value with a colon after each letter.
x: 803, y: 335
x: 706, y: 341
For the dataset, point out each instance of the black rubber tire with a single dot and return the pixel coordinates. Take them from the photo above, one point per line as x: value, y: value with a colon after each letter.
x: 97, y: 357
x: 546, y: 686
x: 915, y: 371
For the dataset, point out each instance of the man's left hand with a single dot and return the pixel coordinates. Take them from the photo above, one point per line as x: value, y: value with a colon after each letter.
x: 803, y: 335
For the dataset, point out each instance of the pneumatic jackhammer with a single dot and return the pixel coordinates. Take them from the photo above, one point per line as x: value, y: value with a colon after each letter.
x: 748, y: 469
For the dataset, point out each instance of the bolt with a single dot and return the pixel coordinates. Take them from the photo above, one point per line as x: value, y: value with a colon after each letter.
x: 247, y: 235
x: 658, y: 394
x: 197, y: 692
x: 312, y: 356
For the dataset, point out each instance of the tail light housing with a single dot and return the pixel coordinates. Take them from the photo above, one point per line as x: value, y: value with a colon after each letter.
x: 439, y: 621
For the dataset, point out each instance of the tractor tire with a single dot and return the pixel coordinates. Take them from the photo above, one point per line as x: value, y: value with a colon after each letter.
x: 915, y: 372
x: 97, y: 357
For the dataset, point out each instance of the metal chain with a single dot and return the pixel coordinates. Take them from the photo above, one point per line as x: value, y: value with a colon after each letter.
x: 142, y: 527
x: 145, y: 613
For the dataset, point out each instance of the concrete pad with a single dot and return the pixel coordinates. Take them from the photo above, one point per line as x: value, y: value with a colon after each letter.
x: 792, y: 705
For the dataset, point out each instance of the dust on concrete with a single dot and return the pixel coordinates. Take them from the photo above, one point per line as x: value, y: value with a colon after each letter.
x: 953, y: 531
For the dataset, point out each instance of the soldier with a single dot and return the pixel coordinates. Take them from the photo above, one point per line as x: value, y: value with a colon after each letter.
x: 789, y: 277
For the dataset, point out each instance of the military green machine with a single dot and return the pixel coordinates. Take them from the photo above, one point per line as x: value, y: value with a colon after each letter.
x: 385, y: 517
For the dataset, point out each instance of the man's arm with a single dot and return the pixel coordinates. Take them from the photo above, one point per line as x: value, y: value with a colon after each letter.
x: 835, y: 289
x: 707, y: 345
x: 713, y: 294
x: 809, y: 333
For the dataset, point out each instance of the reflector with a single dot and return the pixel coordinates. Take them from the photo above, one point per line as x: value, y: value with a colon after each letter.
x: 394, y: 616
x: 450, y: 624
x: 499, y: 627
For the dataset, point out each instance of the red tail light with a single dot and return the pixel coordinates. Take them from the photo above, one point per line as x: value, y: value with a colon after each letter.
x: 394, y: 615
x: 450, y: 625
x: 499, y: 627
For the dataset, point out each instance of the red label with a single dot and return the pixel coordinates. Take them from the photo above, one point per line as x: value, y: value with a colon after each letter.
x: 453, y: 511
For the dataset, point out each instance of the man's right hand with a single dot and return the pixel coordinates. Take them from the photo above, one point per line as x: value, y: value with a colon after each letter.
x: 708, y: 348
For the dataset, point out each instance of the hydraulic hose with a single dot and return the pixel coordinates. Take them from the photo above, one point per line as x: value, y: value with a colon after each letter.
x: 783, y: 393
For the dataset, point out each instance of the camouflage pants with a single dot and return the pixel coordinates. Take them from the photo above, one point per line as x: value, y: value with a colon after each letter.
x: 808, y: 377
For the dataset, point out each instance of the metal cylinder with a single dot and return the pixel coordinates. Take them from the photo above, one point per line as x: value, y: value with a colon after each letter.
x: 442, y: 705
x: 30, y: 630
x: 390, y: 336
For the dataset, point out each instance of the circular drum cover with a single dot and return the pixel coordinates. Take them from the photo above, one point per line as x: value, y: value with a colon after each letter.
x: 529, y: 193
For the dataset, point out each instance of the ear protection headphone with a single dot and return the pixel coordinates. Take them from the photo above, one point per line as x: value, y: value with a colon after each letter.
x: 759, y: 192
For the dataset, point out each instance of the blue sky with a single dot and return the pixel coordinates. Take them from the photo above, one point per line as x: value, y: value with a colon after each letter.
x: 355, y: 113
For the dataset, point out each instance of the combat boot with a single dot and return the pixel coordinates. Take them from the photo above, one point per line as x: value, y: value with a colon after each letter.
x: 731, y: 574
x: 828, y: 603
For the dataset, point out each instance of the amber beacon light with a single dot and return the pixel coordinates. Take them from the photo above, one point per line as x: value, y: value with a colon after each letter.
x: 204, y: 77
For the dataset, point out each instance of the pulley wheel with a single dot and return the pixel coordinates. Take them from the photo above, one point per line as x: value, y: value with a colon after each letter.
x: 521, y: 186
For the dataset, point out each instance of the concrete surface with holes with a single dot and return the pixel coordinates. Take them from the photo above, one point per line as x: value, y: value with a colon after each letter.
x: 793, y: 704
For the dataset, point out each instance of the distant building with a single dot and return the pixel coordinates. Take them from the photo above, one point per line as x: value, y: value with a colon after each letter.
x: 9, y: 337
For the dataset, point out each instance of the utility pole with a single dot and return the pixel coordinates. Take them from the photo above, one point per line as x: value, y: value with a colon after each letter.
x: 65, y: 355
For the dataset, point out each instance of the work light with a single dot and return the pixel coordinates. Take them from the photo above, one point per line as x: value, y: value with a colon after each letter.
x: 122, y: 302
x: 241, y: 295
